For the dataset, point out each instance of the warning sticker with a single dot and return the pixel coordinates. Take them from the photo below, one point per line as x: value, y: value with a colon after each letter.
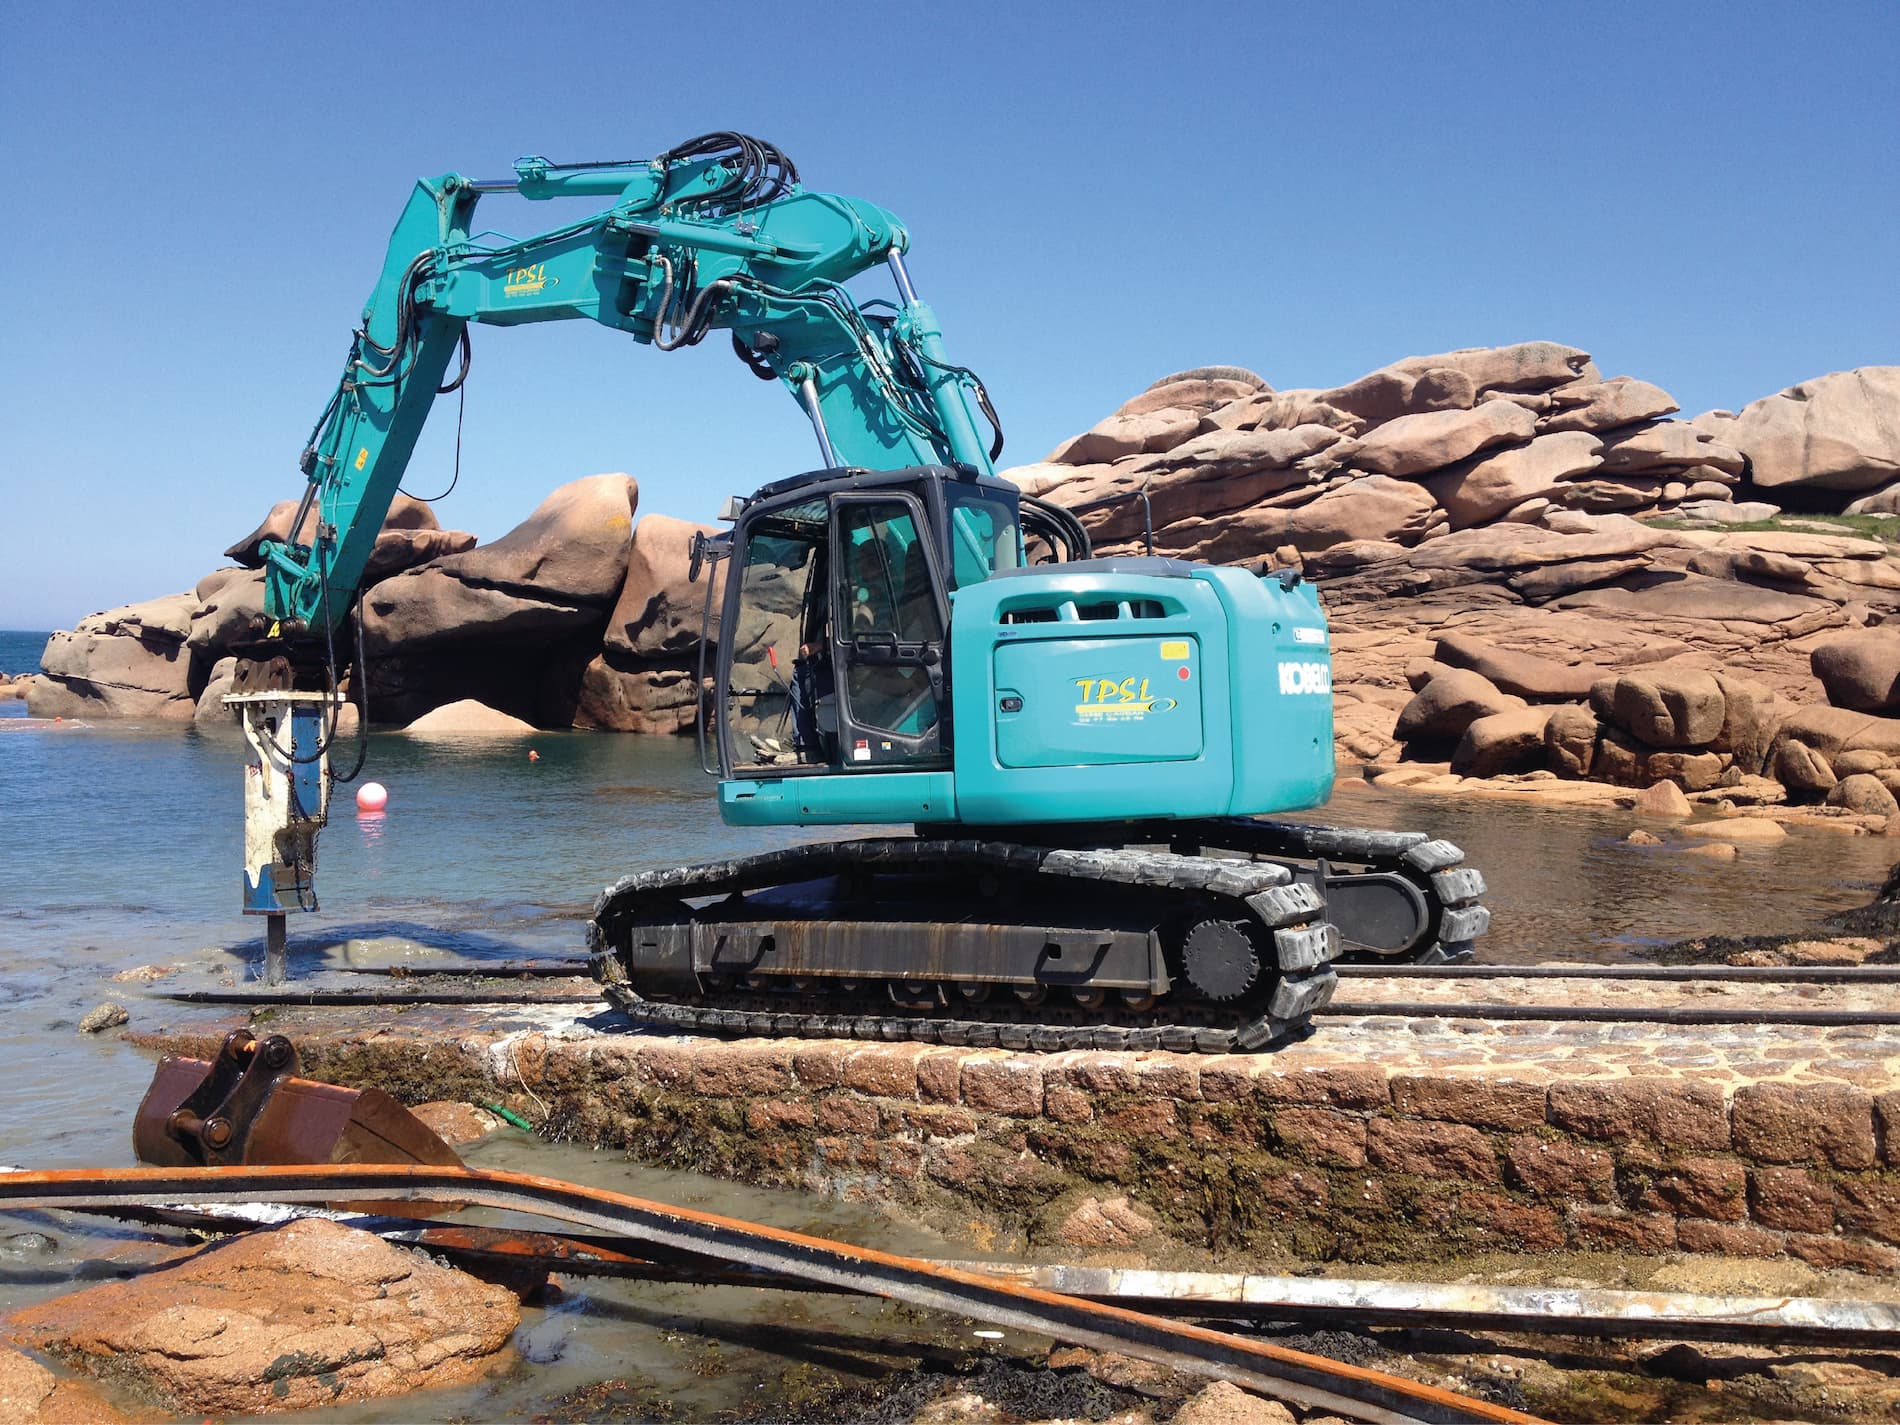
x: 1176, y: 648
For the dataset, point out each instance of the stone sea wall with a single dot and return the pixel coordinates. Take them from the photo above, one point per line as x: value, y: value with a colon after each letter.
x: 1362, y: 1144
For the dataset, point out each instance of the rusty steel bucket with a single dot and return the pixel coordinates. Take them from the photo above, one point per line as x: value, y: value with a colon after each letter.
x: 249, y: 1106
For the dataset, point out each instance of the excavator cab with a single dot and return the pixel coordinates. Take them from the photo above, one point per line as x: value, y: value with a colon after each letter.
x: 837, y: 605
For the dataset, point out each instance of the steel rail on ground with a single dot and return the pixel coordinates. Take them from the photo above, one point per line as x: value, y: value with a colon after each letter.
x: 1312, y: 1381
x: 1338, y: 1009
x: 1559, y: 1311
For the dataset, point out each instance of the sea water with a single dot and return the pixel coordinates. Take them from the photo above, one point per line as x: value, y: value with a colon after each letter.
x: 20, y: 651
x: 120, y: 847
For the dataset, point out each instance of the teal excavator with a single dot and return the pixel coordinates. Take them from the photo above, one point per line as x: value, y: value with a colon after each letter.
x: 1080, y: 749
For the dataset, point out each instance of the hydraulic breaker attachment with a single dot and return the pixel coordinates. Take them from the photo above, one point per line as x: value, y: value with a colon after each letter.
x: 248, y: 1106
x: 286, y: 803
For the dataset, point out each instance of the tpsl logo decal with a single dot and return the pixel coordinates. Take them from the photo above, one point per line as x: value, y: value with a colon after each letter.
x: 1306, y: 678
x: 1105, y: 699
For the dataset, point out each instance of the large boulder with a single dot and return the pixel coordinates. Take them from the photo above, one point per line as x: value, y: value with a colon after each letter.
x: 558, y: 572
x: 1161, y: 417
x: 651, y: 698
x: 231, y: 607
x: 1218, y: 473
x: 1413, y: 445
x: 1830, y: 731
x: 469, y: 718
x: 1662, y: 707
x: 1202, y: 389
x: 1678, y: 594
x: 1570, y: 740
x: 659, y: 611
x: 1861, y: 669
x: 1222, y: 455
x: 1373, y: 507
x: 1548, y: 582
x: 646, y: 677
x: 210, y: 709
x: 1389, y: 392
x: 1622, y: 760
x: 1799, y: 768
x: 405, y: 513
x: 1481, y: 489
x: 1540, y: 680
x: 1836, y: 432
x: 1605, y: 405
x: 1863, y: 794
x: 126, y: 662
x: 1282, y: 410
x: 1503, y: 742
x: 1884, y: 501
x: 1449, y: 702
x: 1751, y: 720
x: 313, y: 1314
x: 1124, y: 434
x: 398, y: 549
x: 1523, y: 366
x: 1667, y: 447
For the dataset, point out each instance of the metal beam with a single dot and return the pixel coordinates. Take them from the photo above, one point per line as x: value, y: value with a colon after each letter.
x: 1562, y: 1311
x: 1307, y: 1380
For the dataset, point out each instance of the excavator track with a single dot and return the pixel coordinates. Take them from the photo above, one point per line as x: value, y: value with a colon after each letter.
x: 963, y: 941
x: 1398, y: 897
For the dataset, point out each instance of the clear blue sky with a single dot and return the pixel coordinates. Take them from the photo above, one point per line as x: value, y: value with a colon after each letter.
x: 197, y: 200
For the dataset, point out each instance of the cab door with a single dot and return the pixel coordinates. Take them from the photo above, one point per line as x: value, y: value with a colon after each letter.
x: 888, y: 617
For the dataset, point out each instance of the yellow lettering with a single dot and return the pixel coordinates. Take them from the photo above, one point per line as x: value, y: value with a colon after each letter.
x: 1144, y: 690
x: 1127, y: 689
x: 1087, y: 685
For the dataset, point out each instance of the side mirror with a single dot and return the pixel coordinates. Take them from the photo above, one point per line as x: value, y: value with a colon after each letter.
x: 697, y: 561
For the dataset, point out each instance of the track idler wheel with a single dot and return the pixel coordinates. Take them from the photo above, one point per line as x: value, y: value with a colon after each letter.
x: 1221, y: 959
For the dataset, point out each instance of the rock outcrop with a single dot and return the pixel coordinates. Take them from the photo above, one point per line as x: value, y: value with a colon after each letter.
x: 406, y: 513
x: 1507, y: 513
x: 310, y: 1314
x: 1837, y: 432
x: 512, y: 624
x: 1486, y: 433
x: 1486, y: 528
x: 169, y: 658
x: 556, y: 573
x: 645, y: 676
x: 30, y: 1394
x: 1861, y: 669
x: 129, y: 662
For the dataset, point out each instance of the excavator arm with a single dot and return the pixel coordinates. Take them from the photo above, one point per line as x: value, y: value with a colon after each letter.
x: 715, y: 234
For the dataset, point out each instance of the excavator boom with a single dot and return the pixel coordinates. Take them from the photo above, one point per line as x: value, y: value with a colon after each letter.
x: 715, y: 234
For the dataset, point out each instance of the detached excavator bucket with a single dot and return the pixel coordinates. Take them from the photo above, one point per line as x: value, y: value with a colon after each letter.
x: 248, y: 1106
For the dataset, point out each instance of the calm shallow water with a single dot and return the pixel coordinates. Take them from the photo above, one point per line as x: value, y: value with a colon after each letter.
x: 119, y: 846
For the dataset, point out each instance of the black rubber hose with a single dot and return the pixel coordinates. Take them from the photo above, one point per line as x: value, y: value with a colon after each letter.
x: 1068, y: 527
